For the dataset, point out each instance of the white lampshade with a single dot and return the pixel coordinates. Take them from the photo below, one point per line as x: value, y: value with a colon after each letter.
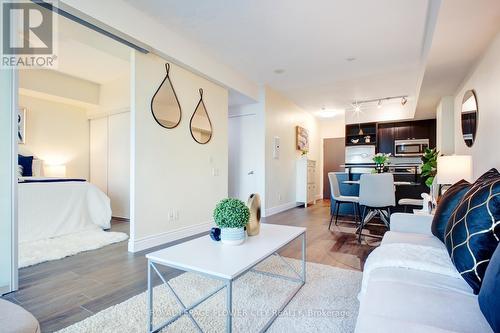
x: 58, y: 170
x: 453, y: 168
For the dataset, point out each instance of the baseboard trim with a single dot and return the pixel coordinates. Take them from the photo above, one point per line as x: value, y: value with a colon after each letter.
x: 281, y: 208
x: 148, y: 242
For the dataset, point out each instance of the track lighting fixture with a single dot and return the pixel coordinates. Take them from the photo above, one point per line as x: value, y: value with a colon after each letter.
x: 356, y: 106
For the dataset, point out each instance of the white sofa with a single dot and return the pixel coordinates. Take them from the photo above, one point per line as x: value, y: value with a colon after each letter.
x: 408, y: 300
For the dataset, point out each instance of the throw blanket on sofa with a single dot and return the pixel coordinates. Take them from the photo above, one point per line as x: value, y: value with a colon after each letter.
x: 426, y: 258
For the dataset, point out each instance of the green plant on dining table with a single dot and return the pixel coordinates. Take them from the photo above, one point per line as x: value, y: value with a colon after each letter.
x: 429, y: 166
x: 381, y: 158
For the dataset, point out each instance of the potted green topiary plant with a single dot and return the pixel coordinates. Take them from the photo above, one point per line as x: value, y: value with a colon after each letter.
x: 231, y: 216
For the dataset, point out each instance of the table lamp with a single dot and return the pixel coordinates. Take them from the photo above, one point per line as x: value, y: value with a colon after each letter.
x: 56, y: 171
x: 453, y: 168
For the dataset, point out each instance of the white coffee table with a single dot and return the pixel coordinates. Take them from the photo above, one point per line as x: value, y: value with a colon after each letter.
x: 226, y: 263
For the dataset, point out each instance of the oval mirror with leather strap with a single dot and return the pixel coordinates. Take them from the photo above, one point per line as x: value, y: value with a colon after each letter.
x: 200, y: 124
x: 165, y: 106
x: 469, y: 117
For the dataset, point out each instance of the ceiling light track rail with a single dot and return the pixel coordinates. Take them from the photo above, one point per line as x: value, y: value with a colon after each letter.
x: 357, y: 104
x: 380, y: 99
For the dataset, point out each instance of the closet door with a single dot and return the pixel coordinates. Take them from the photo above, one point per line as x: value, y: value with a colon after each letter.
x: 119, y: 164
x: 99, y: 153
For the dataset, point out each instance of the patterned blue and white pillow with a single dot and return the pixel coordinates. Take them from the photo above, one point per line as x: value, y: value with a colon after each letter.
x: 473, y: 230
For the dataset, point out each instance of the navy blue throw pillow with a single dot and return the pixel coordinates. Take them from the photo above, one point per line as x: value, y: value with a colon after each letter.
x: 473, y: 231
x: 446, y: 206
x: 489, y: 296
x: 27, y: 163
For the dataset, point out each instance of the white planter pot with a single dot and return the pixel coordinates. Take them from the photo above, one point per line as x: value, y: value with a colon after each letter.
x: 232, y: 236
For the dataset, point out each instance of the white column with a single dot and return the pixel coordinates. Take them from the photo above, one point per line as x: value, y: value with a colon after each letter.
x: 445, y: 135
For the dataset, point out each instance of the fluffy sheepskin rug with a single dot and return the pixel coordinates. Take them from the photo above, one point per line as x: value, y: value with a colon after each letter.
x: 32, y: 253
x: 326, y: 303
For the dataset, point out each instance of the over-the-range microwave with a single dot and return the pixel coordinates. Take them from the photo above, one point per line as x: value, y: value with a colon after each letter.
x: 410, y: 147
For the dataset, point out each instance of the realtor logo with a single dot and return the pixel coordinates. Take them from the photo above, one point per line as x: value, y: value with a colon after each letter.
x: 28, y: 31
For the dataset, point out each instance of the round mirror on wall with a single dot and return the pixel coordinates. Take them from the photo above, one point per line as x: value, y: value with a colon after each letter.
x: 469, y: 117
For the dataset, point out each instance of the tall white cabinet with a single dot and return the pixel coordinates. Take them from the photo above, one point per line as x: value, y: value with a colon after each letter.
x: 110, y: 160
x: 306, y: 181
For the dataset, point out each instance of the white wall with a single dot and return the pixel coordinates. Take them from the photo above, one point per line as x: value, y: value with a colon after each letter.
x: 445, y: 126
x: 282, y: 116
x: 115, y: 95
x: 99, y: 153
x: 57, y: 133
x: 332, y: 127
x: 59, y: 87
x: 170, y: 172
x: 485, y: 80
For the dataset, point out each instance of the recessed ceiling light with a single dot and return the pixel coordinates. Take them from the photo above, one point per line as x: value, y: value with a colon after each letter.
x: 350, y: 59
x: 329, y: 113
x: 279, y: 71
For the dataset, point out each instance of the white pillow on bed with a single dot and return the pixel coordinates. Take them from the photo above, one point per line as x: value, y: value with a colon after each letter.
x: 37, y: 167
x: 19, y: 170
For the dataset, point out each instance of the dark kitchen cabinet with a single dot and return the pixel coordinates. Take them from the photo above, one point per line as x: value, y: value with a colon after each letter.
x: 402, y: 131
x: 389, y: 132
x: 420, y: 130
x: 385, y: 138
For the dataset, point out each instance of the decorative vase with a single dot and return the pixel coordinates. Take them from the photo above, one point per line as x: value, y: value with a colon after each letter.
x: 253, y: 226
x: 379, y: 167
x: 232, y: 236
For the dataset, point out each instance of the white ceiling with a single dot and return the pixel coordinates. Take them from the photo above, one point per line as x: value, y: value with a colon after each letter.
x: 311, y: 42
x: 463, y: 31
x: 89, y: 55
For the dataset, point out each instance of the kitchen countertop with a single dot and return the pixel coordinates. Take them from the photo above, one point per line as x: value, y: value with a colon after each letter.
x: 396, y: 165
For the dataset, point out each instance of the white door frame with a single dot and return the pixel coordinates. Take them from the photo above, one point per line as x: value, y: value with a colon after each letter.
x: 15, y: 236
x: 13, y: 96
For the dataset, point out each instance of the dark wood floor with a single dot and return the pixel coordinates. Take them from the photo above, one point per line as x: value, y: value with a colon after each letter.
x: 62, y: 292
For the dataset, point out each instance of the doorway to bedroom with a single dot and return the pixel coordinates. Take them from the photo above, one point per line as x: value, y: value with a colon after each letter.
x: 73, y: 192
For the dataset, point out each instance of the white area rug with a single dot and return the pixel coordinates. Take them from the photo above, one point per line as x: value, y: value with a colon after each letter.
x: 32, y: 253
x: 326, y: 303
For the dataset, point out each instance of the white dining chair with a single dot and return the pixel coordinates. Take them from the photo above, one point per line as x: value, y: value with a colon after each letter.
x: 377, y: 195
x: 418, y: 203
x: 340, y: 199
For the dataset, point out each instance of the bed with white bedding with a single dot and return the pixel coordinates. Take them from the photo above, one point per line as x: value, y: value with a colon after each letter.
x: 51, y: 207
